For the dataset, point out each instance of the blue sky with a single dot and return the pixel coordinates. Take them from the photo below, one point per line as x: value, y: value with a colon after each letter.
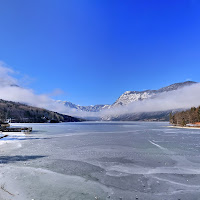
x: 94, y: 50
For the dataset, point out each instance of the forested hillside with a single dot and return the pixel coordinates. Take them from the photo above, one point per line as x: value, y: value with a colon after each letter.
x: 18, y: 112
x: 190, y: 116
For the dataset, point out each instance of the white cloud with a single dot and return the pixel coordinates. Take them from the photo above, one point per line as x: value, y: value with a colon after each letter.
x: 10, y: 90
x: 6, y: 77
x: 56, y: 92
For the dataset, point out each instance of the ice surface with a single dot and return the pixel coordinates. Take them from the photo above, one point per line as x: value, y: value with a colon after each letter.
x: 101, y: 160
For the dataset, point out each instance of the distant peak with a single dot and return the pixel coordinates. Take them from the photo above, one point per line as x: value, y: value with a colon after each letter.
x: 127, y: 92
x: 184, y: 83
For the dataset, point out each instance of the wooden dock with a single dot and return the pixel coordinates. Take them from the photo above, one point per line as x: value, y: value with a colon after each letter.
x: 16, y: 129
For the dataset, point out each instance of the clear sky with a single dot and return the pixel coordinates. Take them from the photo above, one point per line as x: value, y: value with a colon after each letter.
x: 94, y: 50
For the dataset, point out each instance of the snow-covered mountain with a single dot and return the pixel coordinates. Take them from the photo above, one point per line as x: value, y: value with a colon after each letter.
x: 129, y: 97
x: 91, y: 108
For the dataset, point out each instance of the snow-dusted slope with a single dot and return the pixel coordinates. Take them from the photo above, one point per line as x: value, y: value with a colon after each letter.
x: 91, y: 108
x: 131, y: 96
x: 128, y: 97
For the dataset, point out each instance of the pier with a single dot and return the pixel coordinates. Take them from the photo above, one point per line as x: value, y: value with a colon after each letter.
x: 16, y: 129
x: 5, y: 127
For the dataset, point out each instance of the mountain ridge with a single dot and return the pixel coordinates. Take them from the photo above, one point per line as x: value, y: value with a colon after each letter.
x: 128, y: 97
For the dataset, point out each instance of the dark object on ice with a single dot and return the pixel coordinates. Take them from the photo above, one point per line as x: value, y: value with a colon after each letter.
x: 3, y: 188
x: 3, y: 136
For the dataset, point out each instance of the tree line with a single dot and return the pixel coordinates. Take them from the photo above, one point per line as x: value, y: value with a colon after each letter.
x: 182, y: 118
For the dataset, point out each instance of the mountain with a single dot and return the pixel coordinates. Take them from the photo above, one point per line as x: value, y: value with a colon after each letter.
x: 19, y: 112
x: 91, y: 108
x: 131, y: 96
x: 144, y: 116
x: 128, y: 97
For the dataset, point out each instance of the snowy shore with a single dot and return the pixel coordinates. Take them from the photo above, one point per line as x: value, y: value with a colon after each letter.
x: 185, y: 127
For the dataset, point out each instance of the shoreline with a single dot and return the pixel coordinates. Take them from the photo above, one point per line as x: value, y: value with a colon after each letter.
x: 185, y: 127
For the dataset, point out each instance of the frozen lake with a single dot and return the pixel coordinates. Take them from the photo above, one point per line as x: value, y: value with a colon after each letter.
x: 101, y: 160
